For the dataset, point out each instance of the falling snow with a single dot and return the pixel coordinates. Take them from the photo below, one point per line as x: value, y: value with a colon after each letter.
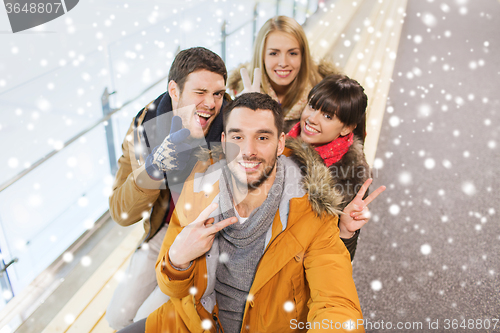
x: 289, y: 306
x: 429, y: 163
x: 224, y: 258
x: 425, y: 249
x: 394, y: 209
x: 469, y: 188
x: 376, y: 285
x: 421, y: 105
x: 206, y: 324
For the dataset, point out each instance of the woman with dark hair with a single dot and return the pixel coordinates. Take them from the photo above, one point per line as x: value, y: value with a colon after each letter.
x: 333, y: 126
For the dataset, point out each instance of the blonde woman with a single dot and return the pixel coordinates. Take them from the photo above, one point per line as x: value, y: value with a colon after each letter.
x: 282, y: 52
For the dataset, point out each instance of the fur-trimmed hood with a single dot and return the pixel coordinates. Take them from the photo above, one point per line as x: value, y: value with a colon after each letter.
x: 344, y: 178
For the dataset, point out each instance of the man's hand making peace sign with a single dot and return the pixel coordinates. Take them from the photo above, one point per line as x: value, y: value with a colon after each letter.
x: 196, y: 238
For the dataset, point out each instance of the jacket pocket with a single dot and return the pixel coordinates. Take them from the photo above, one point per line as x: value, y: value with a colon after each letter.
x: 300, y: 292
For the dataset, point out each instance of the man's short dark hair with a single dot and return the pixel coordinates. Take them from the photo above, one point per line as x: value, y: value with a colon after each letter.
x: 192, y: 60
x: 255, y: 101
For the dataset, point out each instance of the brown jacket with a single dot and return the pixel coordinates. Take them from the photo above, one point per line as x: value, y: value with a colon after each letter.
x: 130, y: 203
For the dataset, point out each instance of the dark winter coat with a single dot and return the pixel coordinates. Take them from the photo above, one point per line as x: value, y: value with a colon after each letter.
x: 344, y: 177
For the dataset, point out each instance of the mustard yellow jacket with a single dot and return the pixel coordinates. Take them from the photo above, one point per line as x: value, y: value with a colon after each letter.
x: 305, y: 266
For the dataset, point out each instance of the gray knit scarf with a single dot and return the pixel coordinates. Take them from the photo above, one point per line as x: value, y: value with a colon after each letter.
x: 241, y: 246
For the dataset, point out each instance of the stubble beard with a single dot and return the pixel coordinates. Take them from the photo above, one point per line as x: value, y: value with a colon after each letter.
x: 252, y: 186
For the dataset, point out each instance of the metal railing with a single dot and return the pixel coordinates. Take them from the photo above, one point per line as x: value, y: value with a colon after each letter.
x: 105, y: 118
x: 253, y: 20
x: 109, y: 112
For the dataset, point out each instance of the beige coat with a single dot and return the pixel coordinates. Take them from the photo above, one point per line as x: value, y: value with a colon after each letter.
x: 130, y: 203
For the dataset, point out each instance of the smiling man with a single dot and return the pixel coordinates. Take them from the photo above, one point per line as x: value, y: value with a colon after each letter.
x: 245, y: 249
x: 157, y: 157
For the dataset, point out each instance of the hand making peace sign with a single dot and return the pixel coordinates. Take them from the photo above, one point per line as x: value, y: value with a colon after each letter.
x: 196, y: 238
x: 249, y: 87
x: 356, y: 213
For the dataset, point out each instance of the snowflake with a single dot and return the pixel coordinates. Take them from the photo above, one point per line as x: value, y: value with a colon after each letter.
x: 394, y: 209
x: 224, y: 258
x: 468, y: 188
x: 405, y: 178
x: 88, y: 224
x: 394, y: 121
x: 86, y: 261
x: 69, y: 318
x: 429, y: 20
x: 376, y: 285
x: 378, y: 163
x: 13, y: 162
x: 424, y: 110
x: 425, y: 249
x: 430, y: 163
x: 289, y: 306
x: 68, y: 257
x: 445, y: 8
x: 206, y: 324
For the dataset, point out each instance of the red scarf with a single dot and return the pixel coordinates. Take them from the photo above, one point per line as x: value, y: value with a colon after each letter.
x: 331, y: 152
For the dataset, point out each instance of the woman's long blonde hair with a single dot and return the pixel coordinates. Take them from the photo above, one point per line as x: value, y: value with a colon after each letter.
x: 308, y: 72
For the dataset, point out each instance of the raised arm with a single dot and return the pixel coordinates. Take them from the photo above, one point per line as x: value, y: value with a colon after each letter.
x: 328, y: 269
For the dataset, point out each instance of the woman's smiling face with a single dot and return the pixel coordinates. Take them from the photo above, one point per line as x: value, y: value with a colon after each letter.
x: 318, y: 128
x: 282, y: 59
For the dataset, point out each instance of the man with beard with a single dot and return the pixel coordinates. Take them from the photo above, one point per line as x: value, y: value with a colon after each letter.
x: 245, y: 249
x: 152, y: 155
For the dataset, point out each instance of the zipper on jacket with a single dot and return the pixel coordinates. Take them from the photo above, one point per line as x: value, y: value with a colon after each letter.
x: 217, y: 326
